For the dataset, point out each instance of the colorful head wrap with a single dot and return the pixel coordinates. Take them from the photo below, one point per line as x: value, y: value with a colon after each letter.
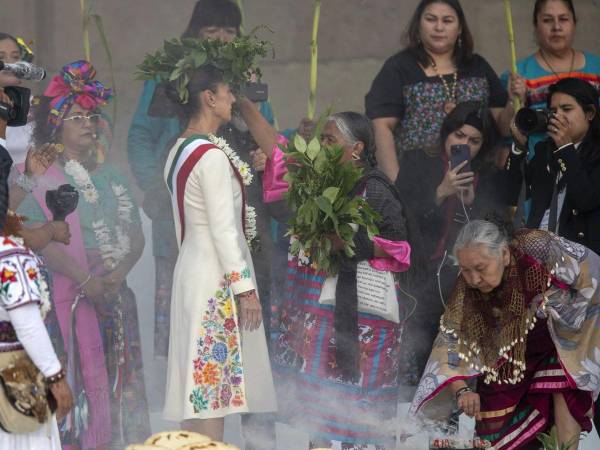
x: 75, y: 84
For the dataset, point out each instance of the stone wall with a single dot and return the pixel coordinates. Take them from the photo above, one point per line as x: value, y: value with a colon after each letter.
x: 356, y: 37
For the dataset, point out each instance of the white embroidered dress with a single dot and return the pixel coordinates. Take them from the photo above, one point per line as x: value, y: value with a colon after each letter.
x: 20, y: 301
x: 213, y: 369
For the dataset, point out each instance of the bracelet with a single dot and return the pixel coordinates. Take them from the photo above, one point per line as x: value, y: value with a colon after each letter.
x: 55, y: 378
x: 461, y: 391
x: 517, y: 150
x: 25, y: 182
x: 87, y: 280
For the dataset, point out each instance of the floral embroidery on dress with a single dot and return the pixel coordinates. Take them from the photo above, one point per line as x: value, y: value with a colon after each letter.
x: 234, y: 276
x: 218, y: 373
x: 20, y: 280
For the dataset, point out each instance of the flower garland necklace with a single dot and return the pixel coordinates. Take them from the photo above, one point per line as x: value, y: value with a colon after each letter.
x: 242, y: 167
x: 113, y: 249
x: 245, y: 172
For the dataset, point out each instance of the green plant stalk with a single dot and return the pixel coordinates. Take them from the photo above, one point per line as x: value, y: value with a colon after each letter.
x: 314, y: 61
x: 240, y: 4
x: 85, y: 25
x: 513, y: 50
x: 100, y: 26
x: 87, y: 16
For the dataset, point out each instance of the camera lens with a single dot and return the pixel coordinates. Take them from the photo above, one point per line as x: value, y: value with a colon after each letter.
x: 531, y: 121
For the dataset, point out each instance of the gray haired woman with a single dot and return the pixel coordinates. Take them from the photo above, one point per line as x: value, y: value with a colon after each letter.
x: 518, y: 342
x: 339, y: 351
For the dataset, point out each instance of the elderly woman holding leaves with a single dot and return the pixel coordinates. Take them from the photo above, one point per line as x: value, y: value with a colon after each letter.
x: 95, y: 308
x: 333, y: 342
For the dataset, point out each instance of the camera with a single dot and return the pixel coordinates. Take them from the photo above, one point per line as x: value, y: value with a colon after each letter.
x: 256, y: 92
x: 16, y: 115
x: 532, y: 121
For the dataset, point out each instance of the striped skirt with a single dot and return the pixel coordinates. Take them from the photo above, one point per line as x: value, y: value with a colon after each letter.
x: 513, y: 416
x: 311, y: 393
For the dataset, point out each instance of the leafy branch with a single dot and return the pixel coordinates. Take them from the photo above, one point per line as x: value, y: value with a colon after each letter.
x: 179, y: 58
x: 322, y: 198
x: 550, y: 441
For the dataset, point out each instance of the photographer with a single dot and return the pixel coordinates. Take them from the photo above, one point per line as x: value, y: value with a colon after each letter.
x: 563, y: 178
x: 18, y: 138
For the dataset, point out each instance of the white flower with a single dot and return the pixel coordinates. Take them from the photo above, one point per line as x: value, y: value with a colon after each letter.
x: 119, y: 189
x: 82, y: 179
x: 112, y: 248
x: 90, y: 196
x: 242, y: 167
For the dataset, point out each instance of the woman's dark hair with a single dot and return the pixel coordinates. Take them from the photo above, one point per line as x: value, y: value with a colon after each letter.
x: 4, y: 36
x: 204, y: 78
x: 42, y: 130
x: 474, y: 111
x: 356, y: 127
x: 213, y: 13
x: 586, y: 96
x: 539, y: 4
x: 463, y: 49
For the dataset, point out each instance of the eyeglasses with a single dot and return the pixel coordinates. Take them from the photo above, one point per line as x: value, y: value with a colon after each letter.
x: 79, y: 119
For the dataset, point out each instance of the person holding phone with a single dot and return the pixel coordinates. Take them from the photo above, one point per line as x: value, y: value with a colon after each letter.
x: 459, y: 183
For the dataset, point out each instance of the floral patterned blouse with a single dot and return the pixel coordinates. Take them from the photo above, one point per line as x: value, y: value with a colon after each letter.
x: 403, y: 90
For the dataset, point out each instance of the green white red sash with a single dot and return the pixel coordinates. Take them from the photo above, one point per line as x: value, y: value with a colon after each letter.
x: 181, y: 165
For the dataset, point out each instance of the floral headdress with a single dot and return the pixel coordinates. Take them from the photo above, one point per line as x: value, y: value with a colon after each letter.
x: 75, y: 84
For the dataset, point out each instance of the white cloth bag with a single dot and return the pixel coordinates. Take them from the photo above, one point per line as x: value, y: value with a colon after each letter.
x: 376, y: 291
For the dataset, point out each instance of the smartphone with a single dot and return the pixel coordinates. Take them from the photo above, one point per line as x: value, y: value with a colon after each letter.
x: 458, y: 154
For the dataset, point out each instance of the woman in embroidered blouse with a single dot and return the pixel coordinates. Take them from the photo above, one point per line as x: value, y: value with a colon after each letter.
x: 218, y: 360
x: 24, y: 301
x: 89, y: 275
x: 519, y: 341
x: 417, y: 87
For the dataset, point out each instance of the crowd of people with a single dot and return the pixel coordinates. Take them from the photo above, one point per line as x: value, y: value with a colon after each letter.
x: 488, y: 235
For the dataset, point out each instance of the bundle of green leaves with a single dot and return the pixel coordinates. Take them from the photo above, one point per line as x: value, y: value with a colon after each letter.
x: 177, y: 60
x: 322, y: 197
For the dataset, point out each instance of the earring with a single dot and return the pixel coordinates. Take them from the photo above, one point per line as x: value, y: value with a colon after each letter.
x: 459, y: 42
x: 355, y: 156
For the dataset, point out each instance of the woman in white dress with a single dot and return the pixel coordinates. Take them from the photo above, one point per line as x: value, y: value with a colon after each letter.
x: 23, y: 302
x: 218, y: 360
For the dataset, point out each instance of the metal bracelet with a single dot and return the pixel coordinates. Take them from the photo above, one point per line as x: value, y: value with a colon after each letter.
x: 55, y: 378
x: 25, y: 182
x: 461, y: 391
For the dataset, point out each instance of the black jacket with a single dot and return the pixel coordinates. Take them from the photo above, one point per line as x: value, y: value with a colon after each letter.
x: 417, y: 182
x: 579, y: 220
